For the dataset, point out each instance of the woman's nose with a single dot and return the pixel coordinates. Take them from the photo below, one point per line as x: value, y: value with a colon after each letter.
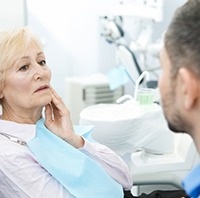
x: 39, y: 72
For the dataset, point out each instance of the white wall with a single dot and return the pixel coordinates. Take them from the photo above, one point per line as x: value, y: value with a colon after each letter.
x: 70, y: 30
x: 169, y: 8
x: 12, y: 14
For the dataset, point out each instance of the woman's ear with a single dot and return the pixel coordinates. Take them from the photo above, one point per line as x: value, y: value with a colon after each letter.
x: 190, y: 86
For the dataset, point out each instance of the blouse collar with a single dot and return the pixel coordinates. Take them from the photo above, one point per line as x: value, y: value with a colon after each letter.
x: 23, y: 131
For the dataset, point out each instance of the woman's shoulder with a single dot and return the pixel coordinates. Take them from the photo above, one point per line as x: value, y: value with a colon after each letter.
x: 12, y: 149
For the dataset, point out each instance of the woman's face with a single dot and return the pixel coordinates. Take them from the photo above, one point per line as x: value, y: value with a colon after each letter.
x: 27, y: 82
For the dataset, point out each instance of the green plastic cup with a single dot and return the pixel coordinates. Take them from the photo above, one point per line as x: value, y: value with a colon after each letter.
x: 145, y: 96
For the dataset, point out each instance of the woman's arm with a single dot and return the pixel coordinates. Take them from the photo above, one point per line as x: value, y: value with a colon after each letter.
x: 110, y: 161
x: 23, y: 177
x: 58, y: 121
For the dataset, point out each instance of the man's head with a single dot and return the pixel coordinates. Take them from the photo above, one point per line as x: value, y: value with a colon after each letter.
x: 180, y: 60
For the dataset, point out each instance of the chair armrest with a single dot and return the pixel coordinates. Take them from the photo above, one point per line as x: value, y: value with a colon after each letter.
x: 157, y: 179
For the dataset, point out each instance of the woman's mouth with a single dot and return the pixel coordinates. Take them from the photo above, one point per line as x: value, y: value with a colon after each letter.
x: 44, y: 87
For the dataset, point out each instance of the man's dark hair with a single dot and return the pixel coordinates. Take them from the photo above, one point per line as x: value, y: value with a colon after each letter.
x: 182, y: 39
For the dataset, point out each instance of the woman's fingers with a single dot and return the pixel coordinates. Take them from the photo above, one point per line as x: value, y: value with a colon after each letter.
x: 57, y: 99
x: 58, y: 104
x: 56, y: 111
x: 56, y: 95
x: 48, y: 114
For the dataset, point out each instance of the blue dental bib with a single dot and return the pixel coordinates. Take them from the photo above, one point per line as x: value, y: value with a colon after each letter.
x: 79, y: 174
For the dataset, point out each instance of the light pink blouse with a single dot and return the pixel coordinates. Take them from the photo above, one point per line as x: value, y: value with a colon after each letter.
x: 22, y: 176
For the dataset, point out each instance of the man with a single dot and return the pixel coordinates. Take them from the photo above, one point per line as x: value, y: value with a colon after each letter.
x: 179, y: 83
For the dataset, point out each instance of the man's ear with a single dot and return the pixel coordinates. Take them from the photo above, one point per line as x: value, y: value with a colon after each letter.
x: 190, y: 86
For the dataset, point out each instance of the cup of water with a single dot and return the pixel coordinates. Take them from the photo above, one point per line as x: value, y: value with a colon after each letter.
x: 145, y: 96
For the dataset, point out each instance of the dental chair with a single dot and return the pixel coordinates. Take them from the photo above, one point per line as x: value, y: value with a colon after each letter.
x: 166, y: 171
x: 158, y: 158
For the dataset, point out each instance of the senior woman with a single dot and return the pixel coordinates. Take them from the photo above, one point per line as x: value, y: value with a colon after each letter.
x: 25, y: 90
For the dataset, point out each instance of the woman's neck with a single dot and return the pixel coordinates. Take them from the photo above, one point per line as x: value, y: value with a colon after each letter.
x: 26, y: 117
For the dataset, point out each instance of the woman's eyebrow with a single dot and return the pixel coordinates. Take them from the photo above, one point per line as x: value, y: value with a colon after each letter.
x: 25, y: 57
x: 38, y: 54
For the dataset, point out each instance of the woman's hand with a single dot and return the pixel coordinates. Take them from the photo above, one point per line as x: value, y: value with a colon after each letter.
x: 58, y: 121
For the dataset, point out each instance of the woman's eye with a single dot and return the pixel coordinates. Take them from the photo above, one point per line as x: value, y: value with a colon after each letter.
x: 43, y: 62
x: 23, y: 68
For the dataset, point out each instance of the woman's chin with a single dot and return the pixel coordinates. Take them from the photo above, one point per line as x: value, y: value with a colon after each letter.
x: 45, y: 101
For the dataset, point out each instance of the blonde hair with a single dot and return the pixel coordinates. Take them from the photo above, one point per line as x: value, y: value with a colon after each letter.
x: 12, y: 46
